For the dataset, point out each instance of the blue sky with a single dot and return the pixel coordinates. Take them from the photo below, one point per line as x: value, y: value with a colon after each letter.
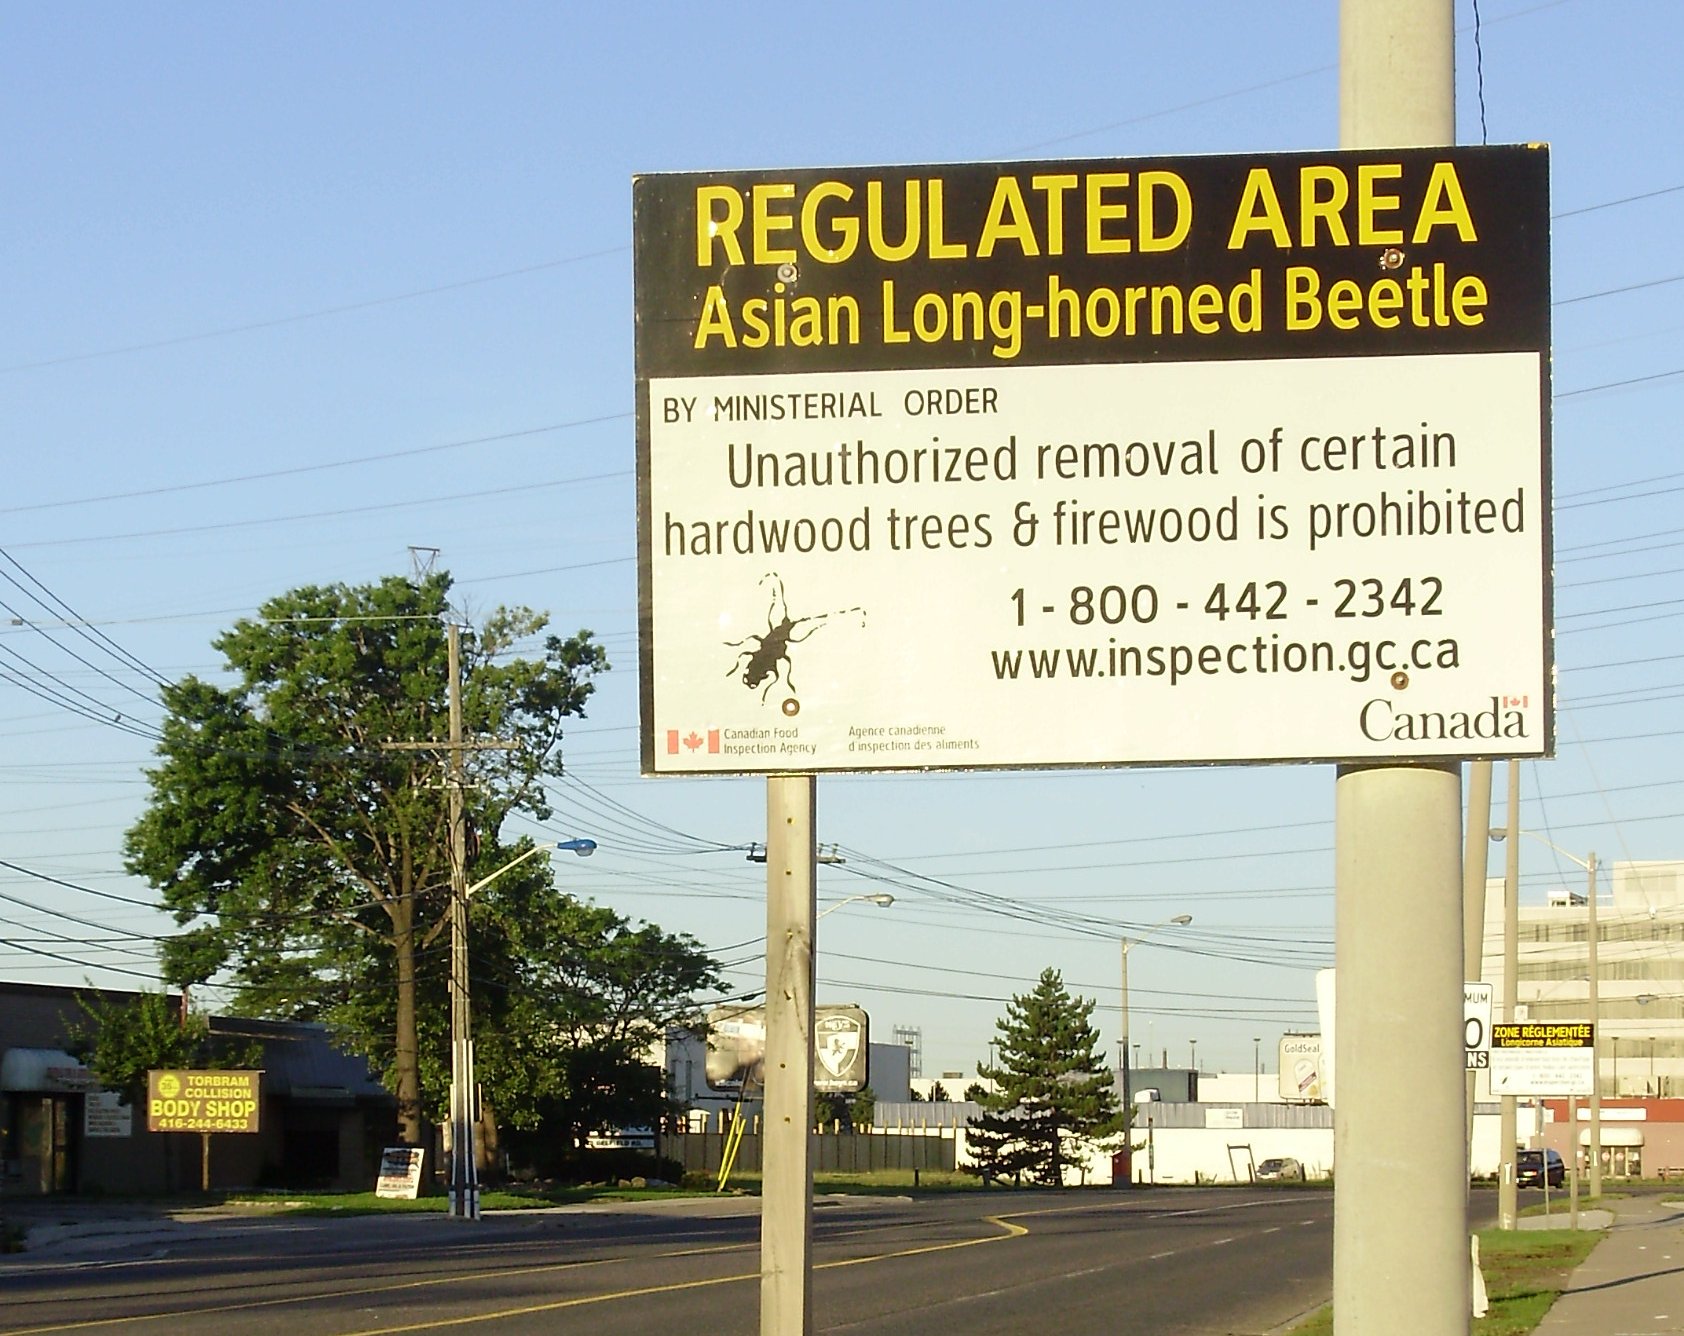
x: 292, y: 289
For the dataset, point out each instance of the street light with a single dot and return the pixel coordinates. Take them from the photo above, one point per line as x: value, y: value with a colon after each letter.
x: 1256, y: 1069
x: 583, y: 848
x: 1178, y: 921
x: 882, y: 899
x: 464, y: 1172
x: 1592, y: 934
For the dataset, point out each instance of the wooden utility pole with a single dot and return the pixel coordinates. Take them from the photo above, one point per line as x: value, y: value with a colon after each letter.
x: 786, y: 1203
x: 464, y: 1169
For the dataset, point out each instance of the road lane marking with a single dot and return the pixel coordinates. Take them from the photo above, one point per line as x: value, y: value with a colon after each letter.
x: 1011, y: 1231
x: 1003, y: 1221
x: 355, y: 1292
x: 580, y: 1301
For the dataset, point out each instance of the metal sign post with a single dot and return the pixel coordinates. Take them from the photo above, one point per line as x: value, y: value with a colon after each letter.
x: 1400, y: 1252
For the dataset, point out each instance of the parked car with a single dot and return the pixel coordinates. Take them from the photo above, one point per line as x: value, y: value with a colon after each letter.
x: 1280, y: 1169
x: 1532, y: 1168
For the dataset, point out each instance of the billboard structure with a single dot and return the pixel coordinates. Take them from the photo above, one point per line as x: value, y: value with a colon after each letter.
x: 1221, y: 459
x: 736, y: 1048
x: 1299, y: 1068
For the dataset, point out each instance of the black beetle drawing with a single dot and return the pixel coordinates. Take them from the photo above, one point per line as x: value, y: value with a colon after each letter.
x: 766, y: 658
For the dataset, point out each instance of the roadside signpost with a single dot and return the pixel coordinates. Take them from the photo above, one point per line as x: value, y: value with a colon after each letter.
x: 1169, y: 461
x: 204, y: 1101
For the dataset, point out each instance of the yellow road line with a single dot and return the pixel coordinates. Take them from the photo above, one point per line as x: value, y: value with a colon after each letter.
x: 1003, y: 1222
x: 554, y: 1305
x: 385, y: 1287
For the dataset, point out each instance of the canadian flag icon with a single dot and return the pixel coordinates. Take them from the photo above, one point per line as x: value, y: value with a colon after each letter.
x: 680, y: 742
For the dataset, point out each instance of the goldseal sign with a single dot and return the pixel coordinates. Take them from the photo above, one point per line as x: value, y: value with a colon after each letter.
x: 1099, y: 462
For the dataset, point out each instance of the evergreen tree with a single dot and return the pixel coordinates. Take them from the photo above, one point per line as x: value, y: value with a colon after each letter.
x: 1052, y: 1100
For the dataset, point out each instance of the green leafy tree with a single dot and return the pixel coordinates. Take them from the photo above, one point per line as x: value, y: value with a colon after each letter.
x: 122, y: 1041
x: 1052, y: 1099
x: 305, y: 856
x: 579, y: 998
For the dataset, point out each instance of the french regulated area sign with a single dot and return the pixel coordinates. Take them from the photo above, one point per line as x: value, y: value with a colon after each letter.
x: 1221, y: 459
x: 1543, y: 1058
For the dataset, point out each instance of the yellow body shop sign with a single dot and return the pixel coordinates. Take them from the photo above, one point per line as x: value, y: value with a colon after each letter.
x: 203, y: 1101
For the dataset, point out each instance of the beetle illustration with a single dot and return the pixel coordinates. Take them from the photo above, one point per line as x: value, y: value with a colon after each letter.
x: 765, y: 660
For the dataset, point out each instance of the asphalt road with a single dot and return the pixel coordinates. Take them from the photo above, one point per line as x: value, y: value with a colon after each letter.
x: 1165, y: 1261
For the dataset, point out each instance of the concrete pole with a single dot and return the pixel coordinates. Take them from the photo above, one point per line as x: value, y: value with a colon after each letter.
x: 786, y: 1200
x: 1591, y: 944
x: 1400, y: 1251
x: 1476, y: 845
x: 1123, y: 1037
x: 1508, y: 1202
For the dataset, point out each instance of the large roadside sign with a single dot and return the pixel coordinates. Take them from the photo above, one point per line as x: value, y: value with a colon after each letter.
x: 203, y: 1101
x: 1556, y: 1058
x: 1222, y: 459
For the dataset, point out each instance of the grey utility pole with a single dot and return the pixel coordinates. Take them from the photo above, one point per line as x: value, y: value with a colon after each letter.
x: 1592, y: 932
x: 1476, y: 854
x: 464, y: 1170
x: 1400, y: 1248
x: 1507, y: 1194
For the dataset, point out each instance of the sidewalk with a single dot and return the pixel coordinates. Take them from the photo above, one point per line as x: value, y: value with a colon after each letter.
x: 1633, y: 1283
x: 71, y: 1227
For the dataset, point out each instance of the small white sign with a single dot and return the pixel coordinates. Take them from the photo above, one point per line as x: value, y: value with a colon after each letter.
x: 1543, y: 1059
x: 105, y: 1115
x: 1229, y: 1119
x: 1476, y: 1025
x: 400, y: 1172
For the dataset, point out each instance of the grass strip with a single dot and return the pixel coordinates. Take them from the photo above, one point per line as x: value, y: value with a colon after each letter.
x: 1525, y: 1271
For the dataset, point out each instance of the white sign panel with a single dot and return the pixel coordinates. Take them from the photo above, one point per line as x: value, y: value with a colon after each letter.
x: 1099, y: 564
x: 105, y: 1115
x: 1476, y: 1025
x: 400, y: 1172
x: 1543, y: 1059
x: 1300, y: 1068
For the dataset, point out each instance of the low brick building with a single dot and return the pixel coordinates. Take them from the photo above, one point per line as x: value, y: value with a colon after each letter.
x: 323, y: 1121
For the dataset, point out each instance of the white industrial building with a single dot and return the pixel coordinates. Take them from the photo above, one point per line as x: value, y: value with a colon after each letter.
x: 1640, y: 969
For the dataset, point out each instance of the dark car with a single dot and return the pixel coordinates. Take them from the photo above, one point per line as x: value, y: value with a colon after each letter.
x: 1533, y: 1167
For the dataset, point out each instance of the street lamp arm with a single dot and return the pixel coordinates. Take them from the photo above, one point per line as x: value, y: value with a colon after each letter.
x: 584, y: 848
x: 1499, y: 833
x: 882, y: 899
x: 1178, y: 921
